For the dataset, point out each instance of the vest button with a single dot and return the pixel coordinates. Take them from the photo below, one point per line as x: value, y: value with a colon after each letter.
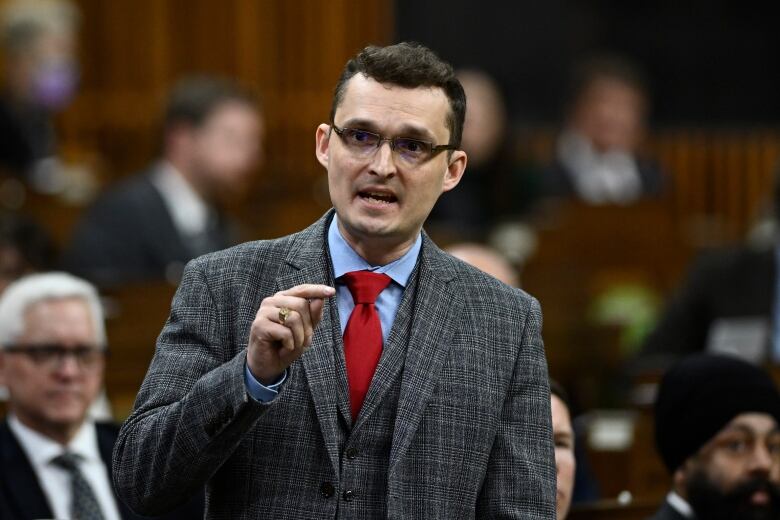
x: 349, y: 495
x: 327, y: 489
x: 352, y: 453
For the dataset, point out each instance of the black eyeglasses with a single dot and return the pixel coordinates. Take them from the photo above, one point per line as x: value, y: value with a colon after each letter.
x: 52, y: 356
x: 412, y: 151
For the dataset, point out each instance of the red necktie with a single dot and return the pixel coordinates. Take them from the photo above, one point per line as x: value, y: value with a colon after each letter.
x: 363, y: 335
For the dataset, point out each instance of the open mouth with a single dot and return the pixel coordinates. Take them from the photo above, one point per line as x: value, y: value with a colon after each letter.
x: 760, y: 497
x: 378, y: 197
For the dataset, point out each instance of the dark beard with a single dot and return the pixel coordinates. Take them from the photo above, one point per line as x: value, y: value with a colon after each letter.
x: 710, y: 503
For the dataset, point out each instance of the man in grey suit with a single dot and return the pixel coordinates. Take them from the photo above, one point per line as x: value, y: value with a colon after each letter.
x: 290, y: 392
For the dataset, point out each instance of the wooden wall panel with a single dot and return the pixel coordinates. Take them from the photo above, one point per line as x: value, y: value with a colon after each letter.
x: 291, y: 53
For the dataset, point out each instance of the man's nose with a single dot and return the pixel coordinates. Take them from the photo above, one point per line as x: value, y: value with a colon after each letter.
x: 68, y: 367
x: 761, y: 460
x: 383, y: 162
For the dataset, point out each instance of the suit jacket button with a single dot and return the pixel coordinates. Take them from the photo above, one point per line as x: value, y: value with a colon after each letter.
x: 327, y: 489
x: 352, y: 453
x: 349, y: 495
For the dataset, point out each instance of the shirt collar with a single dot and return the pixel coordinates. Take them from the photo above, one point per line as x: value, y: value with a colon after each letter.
x: 345, y: 259
x: 188, y: 210
x: 679, y: 504
x: 41, y: 449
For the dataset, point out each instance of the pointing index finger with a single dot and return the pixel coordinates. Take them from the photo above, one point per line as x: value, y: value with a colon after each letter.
x: 309, y: 291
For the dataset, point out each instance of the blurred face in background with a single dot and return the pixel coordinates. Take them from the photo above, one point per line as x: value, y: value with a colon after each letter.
x: 611, y: 114
x: 736, y: 475
x: 221, y: 153
x: 45, y: 72
x: 563, y: 436
x: 51, y: 394
x: 485, y: 125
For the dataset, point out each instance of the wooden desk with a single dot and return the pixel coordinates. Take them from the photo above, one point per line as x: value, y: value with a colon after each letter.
x: 612, y: 510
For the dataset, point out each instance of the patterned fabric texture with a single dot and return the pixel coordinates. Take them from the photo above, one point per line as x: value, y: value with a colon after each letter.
x: 455, y: 424
x: 84, y: 504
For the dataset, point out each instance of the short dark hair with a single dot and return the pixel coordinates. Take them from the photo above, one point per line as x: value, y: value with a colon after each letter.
x: 608, y: 66
x: 558, y: 391
x: 192, y: 100
x: 408, y: 65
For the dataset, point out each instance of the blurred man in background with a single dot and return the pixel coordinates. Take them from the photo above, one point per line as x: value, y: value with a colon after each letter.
x: 498, y: 185
x: 149, y: 226
x: 718, y: 433
x: 468, y: 212
x: 54, y: 460
x: 727, y: 303
x: 40, y: 77
x: 597, y: 157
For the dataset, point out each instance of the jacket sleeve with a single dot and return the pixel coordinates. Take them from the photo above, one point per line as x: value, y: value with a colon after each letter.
x: 192, y: 410
x: 520, y: 479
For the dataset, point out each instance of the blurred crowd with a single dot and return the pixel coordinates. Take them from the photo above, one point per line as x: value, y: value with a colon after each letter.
x: 716, y: 413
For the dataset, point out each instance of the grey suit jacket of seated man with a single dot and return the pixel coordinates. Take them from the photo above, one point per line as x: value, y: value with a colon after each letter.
x: 456, y: 423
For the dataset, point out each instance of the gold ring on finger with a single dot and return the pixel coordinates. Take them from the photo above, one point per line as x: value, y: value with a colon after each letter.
x: 284, y: 313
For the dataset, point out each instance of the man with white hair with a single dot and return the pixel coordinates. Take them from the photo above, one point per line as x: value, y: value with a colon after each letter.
x: 55, y: 462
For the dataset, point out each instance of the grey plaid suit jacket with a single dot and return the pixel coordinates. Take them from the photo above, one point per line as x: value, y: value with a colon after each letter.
x: 456, y: 423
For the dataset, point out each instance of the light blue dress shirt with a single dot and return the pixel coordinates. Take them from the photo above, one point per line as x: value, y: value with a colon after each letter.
x: 345, y: 260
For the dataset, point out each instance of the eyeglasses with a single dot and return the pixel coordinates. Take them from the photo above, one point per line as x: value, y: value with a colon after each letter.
x: 412, y: 151
x: 51, y: 357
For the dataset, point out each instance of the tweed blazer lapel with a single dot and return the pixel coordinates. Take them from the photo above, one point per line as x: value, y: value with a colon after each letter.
x: 308, y: 262
x: 437, y: 306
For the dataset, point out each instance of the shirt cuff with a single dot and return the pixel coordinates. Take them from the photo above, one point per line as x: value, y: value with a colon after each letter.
x: 258, y: 391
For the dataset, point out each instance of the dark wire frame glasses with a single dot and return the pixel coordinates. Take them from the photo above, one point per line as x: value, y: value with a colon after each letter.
x: 413, y: 151
x: 52, y: 356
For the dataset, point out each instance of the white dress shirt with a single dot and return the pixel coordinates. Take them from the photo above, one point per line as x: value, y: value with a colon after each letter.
x: 599, y: 178
x: 188, y: 210
x: 54, y: 480
x: 679, y: 504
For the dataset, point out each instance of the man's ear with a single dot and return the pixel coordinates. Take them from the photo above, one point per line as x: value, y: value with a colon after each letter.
x: 178, y: 138
x: 322, y: 138
x: 680, y: 477
x: 455, y: 170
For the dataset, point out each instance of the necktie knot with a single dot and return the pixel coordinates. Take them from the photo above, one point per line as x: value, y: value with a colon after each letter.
x: 68, y: 461
x: 365, y: 286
